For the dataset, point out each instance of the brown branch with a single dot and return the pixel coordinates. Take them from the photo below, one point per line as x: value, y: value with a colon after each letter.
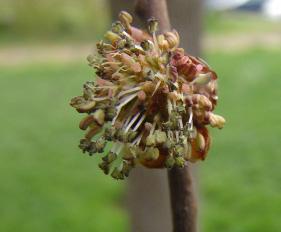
x: 182, y: 199
x: 146, y: 9
x: 181, y: 190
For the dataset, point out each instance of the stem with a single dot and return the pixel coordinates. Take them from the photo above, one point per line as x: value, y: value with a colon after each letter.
x: 182, y: 199
x: 183, y: 202
x: 146, y: 9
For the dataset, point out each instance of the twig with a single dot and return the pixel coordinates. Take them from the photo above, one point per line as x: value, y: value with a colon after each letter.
x: 181, y: 190
x: 146, y: 9
x: 182, y: 199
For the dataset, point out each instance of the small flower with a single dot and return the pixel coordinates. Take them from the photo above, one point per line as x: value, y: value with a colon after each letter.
x: 150, y: 104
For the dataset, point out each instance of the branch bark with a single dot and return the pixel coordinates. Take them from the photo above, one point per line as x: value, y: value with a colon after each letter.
x: 146, y: 9
x: 183, y: 202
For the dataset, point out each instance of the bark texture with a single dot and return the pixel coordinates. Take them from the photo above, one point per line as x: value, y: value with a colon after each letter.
x: 183, y: 202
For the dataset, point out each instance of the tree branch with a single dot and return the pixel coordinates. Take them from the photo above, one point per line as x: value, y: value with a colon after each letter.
x: 146, y: 9
x: 181, y: 190
x: 182, y: 200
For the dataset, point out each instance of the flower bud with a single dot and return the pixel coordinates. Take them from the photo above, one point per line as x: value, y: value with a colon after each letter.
x: 202, y: 79
x: 172, y: 38
x: 110, y: 114
x: 117, y: 174
x: 90, y: 58
x: 187, y: 151
x: 202, y: 101
x: 112, y: 37
x: 152, y: 25
x: 160, y: 137
x: 131, y: 135
x: 121, y: 135
x: 179, y: 150
x: 151, y: 153
x: 127, y: 153
x: 110, y: 133
x: 100, y: 145
x: 105, y: 167
x: 216, y: 121
x: 125, y: 17
x: 146, y: 45
x: 81, y: 105
x: 150, y: 140
x: 200, y: 141
x: 121, y: 43
x: 179, y: 162
x: 99, y: 116
x: 85, y: 144
x: 110, y: 157
x: 127, y: 167
x: 162, y: 42
x: 170, y: 162
x: 148, y: 87
x: 117, y: 27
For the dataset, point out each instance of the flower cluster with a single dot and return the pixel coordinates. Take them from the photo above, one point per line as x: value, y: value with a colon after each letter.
x: 150, y: 101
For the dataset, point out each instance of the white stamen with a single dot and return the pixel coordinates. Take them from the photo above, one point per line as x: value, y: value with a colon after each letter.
x: 129, y: 91
x: 139, y: 123
x: 126, y: 100
x: 132, y: 122
x: 136, y: 139
x: 127, y: 121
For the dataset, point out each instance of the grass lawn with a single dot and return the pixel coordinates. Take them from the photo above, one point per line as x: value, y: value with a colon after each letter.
x: 240, y: 180
x: 48, y: 185
x: 229, y: 23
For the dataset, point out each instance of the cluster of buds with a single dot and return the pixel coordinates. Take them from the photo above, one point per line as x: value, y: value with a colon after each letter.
x: 150, y: 101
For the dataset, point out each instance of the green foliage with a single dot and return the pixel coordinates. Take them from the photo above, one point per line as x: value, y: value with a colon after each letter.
x: 240, y: 180
x: 46, y: 183
x: 52, y: 19
x: 222, y: 23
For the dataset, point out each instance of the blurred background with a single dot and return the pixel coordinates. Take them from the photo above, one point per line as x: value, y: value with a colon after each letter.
x: 46, y: 184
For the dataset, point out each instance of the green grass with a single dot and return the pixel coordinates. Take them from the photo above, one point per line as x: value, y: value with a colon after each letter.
x: 25, y: 21
x: 48, y: 185
x: 240, y: 180
x: 229, y: 23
